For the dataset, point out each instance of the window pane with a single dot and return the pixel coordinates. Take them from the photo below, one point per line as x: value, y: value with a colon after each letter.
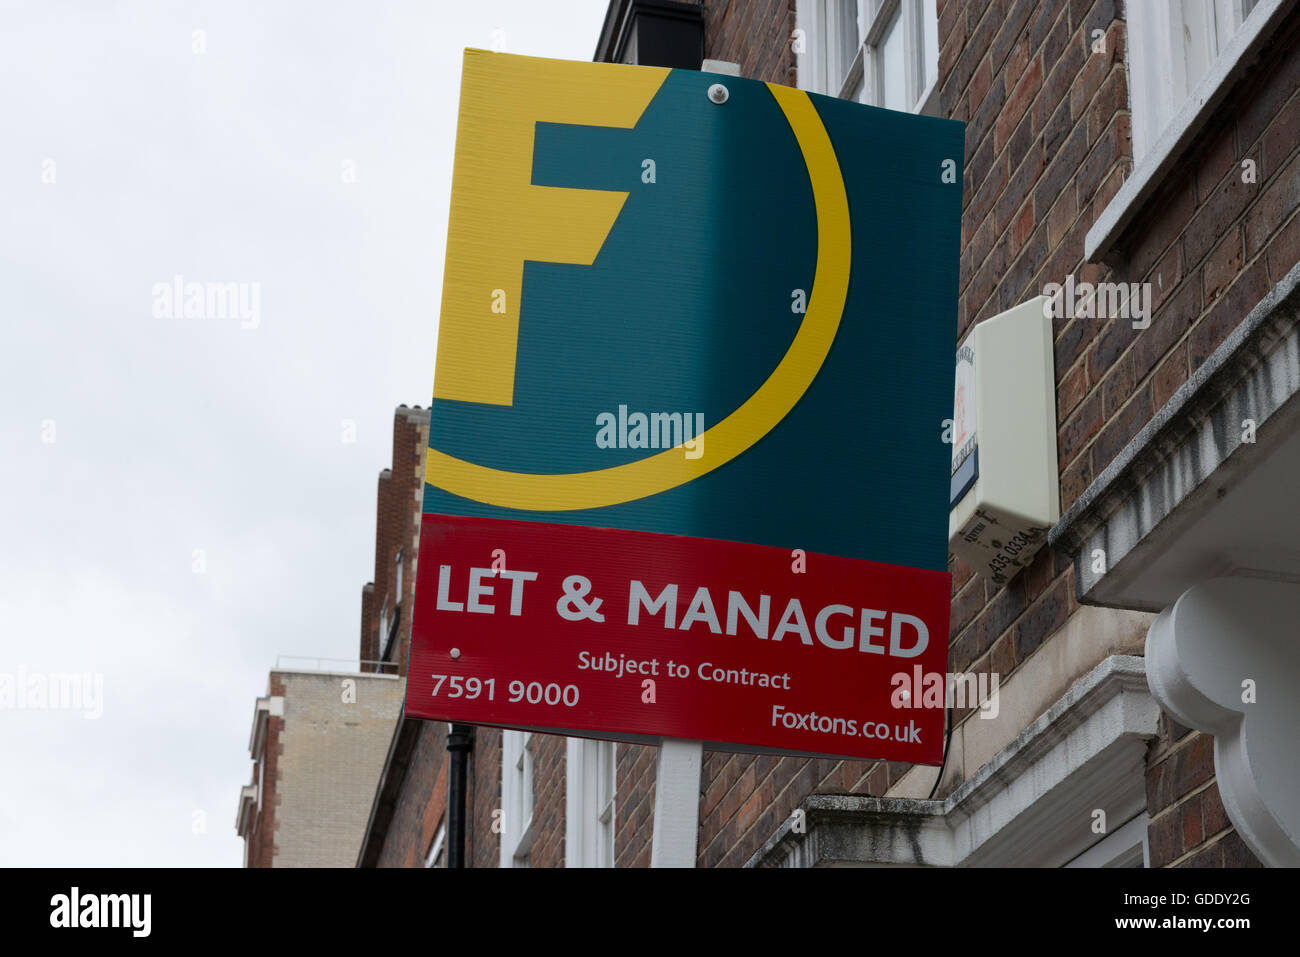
x: 892, y: 73
x: 609, y: 772
x: 528, y: 778
x: 1198, y: 38
x: 916, y: 50
x: 929, y: 19
x: 846, y: 28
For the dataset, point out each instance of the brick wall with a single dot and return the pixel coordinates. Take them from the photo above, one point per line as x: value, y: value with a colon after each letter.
x: 754, y: 33
x: 483, y: 844
x: 1211, y: 245
x: 1188, y: 825
x: 260, y: 844
x: 634, y: 781
x: 422, y: 803
x: 548, y: 801
x: 397, y: 528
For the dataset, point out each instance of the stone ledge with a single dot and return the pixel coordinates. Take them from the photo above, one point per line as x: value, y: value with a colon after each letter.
x: 1255, y: 371
x: 1086, y: 751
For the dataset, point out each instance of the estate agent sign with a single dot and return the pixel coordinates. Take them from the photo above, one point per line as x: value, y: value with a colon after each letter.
x: 686, y: 474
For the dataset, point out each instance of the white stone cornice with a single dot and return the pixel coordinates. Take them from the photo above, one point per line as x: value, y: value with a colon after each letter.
x: 1031, y: 804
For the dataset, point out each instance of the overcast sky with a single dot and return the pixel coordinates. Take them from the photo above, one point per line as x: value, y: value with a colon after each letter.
x: 178, y: 505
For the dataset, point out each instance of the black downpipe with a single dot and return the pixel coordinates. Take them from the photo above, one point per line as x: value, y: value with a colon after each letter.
x: 460, y: 741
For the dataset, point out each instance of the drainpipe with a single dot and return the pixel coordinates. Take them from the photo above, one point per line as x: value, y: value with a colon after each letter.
x: 460, y: 741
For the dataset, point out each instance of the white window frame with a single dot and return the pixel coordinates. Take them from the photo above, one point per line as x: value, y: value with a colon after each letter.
x: 1161, y: 78
x: 1126, y: 846
x: 436, y: 857
x: 822, y: 22
x: 590, y: 798
x: 517, y: 797
x: 399, y: 578
x: 1159, y: 147
x: 383, y: 628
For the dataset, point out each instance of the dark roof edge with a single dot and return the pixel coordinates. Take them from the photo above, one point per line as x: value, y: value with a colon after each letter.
x: 615, y: 13
x: 618, y: 17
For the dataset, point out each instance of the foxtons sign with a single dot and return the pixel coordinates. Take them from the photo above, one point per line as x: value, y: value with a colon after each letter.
x: 748, y: 301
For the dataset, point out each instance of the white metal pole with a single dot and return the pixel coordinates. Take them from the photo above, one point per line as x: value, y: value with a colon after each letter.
x: 677, y: 803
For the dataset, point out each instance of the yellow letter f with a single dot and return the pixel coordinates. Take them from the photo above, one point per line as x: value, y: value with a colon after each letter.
x: 499, y: 218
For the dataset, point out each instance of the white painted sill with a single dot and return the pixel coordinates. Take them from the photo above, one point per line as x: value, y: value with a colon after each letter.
x: 1150, y: 171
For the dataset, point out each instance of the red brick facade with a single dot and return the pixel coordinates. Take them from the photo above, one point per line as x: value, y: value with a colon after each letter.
x: 259, y: 846
x: 423, y: 800
x: 397, y: 529
x: 755, y: 34
x: 1189, y: 826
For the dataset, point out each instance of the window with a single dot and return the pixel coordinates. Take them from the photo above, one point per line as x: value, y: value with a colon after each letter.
x: 383, y: 628
x: 516, y: 797
x: 1172, y: 44
x: 399, y: 579
x: 1183, y: 58
x: 881, y: 52
x: 437, y: 856
x: 1124, y: 847
x: 589, y: 803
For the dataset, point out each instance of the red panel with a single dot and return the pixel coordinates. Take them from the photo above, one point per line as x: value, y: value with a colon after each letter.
x: 824, y: 690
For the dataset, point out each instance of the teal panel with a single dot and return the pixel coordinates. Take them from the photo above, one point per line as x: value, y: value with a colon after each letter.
x: 687, y: 309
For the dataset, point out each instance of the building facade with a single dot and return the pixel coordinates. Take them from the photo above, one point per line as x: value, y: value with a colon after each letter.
x: 1139, y: 164
x: 317, y: 742
x: 386, y: 601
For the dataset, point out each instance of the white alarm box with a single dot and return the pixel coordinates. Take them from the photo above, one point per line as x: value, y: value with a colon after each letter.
x: 1005, y: 495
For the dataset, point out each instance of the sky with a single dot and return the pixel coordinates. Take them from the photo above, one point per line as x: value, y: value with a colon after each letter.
x: 187, y: 494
